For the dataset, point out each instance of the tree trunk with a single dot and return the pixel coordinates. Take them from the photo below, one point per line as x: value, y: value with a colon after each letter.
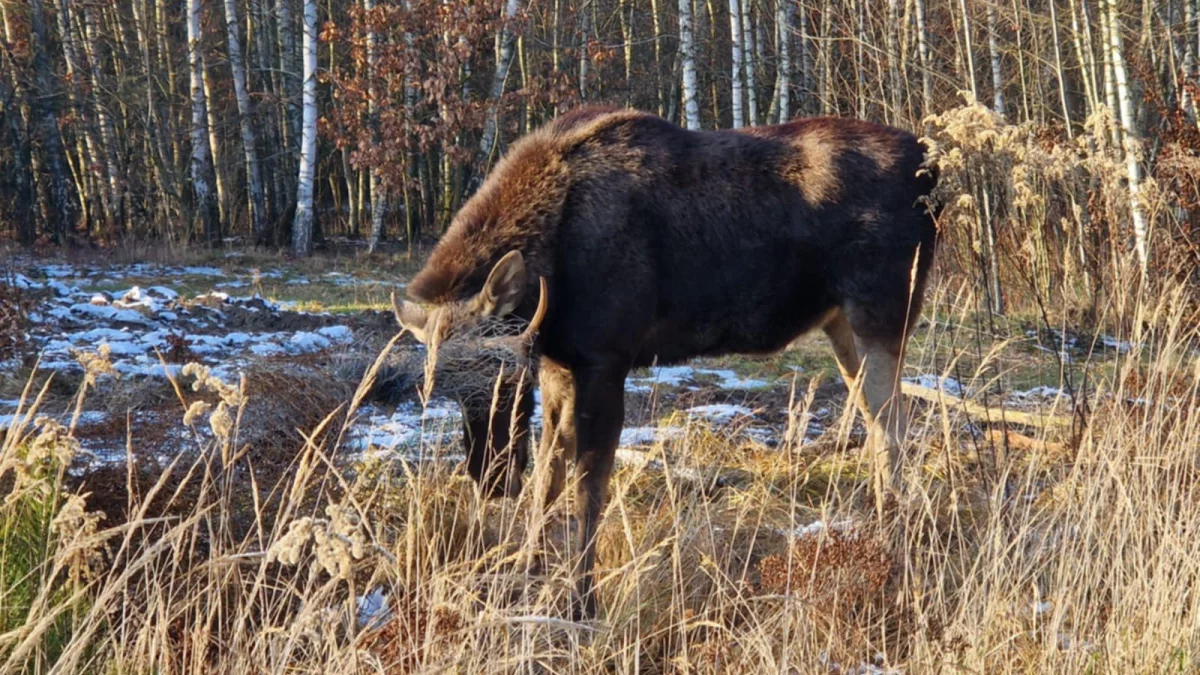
x: 1110, y: 90
x: 658, y: 80
x: 1131, y: 146
x: 892, y: 44
x: 625, y: 12
x: 923, y: 54
x: 687, y: 56
x: 783, y: 73
x: 374, y: 181
x: 1058, y: 69
x: 108, y: 136
x: 214, y: 144
x: 994, y: 52
x: 585, y: 59
x: 65, y: 208
x: 302, y: 227
x: 254, y: 185
x: 504, y: 59
x: 750, y: 56
x: 201, y: 163
x: 18, y: 139
x: 968, y: 51
x: 736, y: 67
x: 1087, y: 60
x: 287, y: 64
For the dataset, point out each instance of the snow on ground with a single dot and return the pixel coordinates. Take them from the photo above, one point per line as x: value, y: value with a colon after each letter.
x: 948, y: 385
x: 687, y: 376
x: 409, y: 431
x: 137, y: 322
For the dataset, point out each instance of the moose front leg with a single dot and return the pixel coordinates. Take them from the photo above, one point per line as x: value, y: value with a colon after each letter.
x: 599, y: 416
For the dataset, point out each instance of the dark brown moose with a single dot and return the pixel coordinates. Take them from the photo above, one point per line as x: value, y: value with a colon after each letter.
x: 658, y: 244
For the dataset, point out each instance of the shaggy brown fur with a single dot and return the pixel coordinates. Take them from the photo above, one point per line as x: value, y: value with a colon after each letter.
x: 660, y: 244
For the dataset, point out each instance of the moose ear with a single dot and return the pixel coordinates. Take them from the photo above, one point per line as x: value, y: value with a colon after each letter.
x: 412, y: 317
x: 502, y: 292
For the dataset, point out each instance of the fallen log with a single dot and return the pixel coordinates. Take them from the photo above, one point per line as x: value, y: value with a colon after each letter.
x: 986, y: 413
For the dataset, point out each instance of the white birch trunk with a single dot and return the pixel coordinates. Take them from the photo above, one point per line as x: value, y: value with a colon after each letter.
x: 504, y: 59
x: 302, y: 227
x: 1110, y: 90
x: 1189, y: 56
x: 1131, y: 145
x: 201, y: 161
x: 968, y: 50
x: 994, y: 52
x: 585, y: 59
x: 750, y: 55
x: 687, y: 56
x: 892, y: 44
x: 374, y: 183
x: 736, y: 67
x: 923, y: 54
x: 257, y: 201
x: 783, y: 75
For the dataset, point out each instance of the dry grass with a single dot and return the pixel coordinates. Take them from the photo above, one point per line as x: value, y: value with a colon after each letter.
x: 1015, y: 550
x: 1072, y: 555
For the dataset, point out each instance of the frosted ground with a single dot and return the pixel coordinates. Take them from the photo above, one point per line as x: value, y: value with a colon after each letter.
x: 154, y: 318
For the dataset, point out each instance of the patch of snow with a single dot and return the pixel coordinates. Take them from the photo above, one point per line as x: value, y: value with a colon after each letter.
x: 58, y: 271
x: 337, y: 333
x: 948, y: 385
x: 304, y: 342
x: 720, y: 413
x: 373, y: 609
x: 109, y: 313
x: 1120, y: 346
x: 202, y: 271
x: 25, y: 283
x: 676, y: 376
x: 123, y: 348
x: 1036, y: 395
x: 266, y: 349
x: 633, y: 436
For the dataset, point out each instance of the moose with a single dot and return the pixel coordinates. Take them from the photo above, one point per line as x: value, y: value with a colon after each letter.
x: 625, y: 240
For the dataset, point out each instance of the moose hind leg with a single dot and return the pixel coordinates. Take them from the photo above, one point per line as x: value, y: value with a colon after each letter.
x: 841, y: 336
x: 887, y: 423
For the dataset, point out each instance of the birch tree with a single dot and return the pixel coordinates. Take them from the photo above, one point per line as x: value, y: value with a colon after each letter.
x: 207, y: 208
x: 504, y: 59
x: 374, y: 182
x: 687, y: 57
x: 735, y: 43
x: 783, y: 72
x: 923, y: 55
x: 1131, y: 146
x: 302, y: 226
x: 254, y: 185
x: 994, y: 53
x: 751, y: 55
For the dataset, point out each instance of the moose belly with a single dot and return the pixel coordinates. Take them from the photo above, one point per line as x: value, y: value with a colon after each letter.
x: 765, y: 327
